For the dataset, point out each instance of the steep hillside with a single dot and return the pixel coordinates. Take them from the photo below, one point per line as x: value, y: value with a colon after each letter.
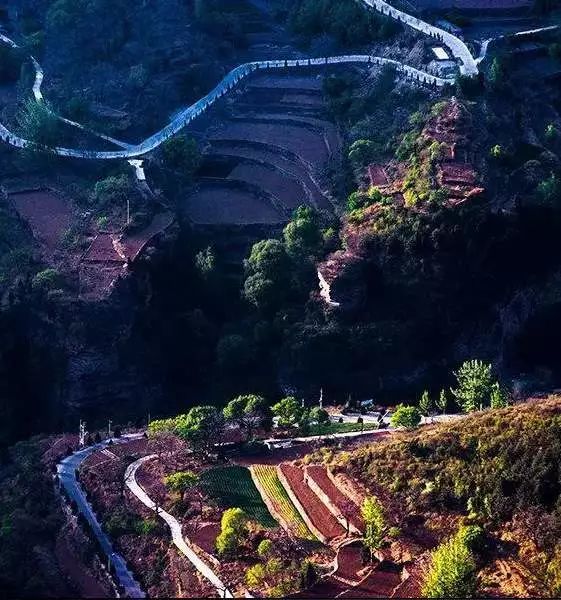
x: 497, y: 469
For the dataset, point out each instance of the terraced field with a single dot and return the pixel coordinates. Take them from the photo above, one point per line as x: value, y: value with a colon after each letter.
x: 270, y: 485
x: 272, y: 148
x: 317, y: 512
x: 233, y: 487
x: 344, y: 506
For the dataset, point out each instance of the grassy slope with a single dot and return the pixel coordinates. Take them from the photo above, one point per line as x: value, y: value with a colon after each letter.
x: 499, y: 468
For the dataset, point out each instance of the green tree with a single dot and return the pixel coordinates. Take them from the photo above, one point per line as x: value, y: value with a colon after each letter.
x: 205, y: 262
x: 264, y: 548
x: 233, y: 531
x: 374, y: 522
x: 248, y: 412
x: 319, y: 415
x: 113, y: 190
x: 202, y: 426
x: 553, y: 573
x: 37, y: 123
x: 289, y: 411
x: 452, y: 571
x: 549, y: 190
x: 267, y: 270
x: 498, y: 397
x: 181, y: 153
x: 48, y: 279
x: 425, y: 404
x: 362, y: 152
x: 474, y: 379
x: 442, y: 402
x: 302, y: 236
x: 406, y: 416
x: 255, y: 576
x: 497, y: 74
x: 182, y: 481
x: 551, y: 133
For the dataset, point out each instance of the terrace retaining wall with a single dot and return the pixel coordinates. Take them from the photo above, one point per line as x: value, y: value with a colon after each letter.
x: 300, y: 508
x: 269, y: 504
x: 318, y: 491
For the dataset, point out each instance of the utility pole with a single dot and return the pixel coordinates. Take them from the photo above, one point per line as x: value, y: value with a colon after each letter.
x: 82, y: 435
x: 109, y: 428
x: 321, y: 398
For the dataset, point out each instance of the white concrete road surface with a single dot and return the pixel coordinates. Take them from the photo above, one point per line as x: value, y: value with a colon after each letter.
x: 175, y: 528
x: 66, y: 470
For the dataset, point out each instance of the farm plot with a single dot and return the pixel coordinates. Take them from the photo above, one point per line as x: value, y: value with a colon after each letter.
x: 260, y: 152
x: 286, y: 189
x: 309, y: 145
x: 380, y: 583
x: 282, y: 504
x: 233, y: 487
x: 319, y: 515
x: 48, y: 214
x: 340, y: 501
x: 221, y: 203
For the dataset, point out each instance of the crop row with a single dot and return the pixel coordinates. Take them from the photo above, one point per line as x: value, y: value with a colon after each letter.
x: 277, y: 496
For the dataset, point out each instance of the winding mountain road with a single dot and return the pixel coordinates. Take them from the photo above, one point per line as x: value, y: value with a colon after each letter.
x: 229, y: 82
x: 66, y: 470
x: 175, y: 528
x: 458, y: 49
x: 467, y: 64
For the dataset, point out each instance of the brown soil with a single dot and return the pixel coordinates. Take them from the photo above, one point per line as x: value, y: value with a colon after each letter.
x: 48, y: 214
x: 317, y: 512
x: 78, y: 574
x: 205, y: 536
x: 218, y: 205
x: 287, y: 190
x: 306, y: 144
x: 349, y: 563
x: 348, y: 509
x: 133, y: 244
x: 380, y: 583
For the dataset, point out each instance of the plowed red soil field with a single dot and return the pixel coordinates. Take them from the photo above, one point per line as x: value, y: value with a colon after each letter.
x: 47, y: 213
x: 328, y: 587
x: 306, y: 144
x: 349, y: 562
x: 379, y: 584
x: 318, y: 513
x: 347, y: 507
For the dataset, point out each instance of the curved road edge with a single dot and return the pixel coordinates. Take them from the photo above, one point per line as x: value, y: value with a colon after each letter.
x: 175, y: 528
x: 66, y: 470
x: 229, y: 82
x: 468, y: 64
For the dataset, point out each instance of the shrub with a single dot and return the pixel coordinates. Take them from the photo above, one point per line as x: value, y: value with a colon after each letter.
x: 46, y: 280
x: 265, y: 547
x: 375, y: 523
x: 452, y: 571
x: 406, y: 416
